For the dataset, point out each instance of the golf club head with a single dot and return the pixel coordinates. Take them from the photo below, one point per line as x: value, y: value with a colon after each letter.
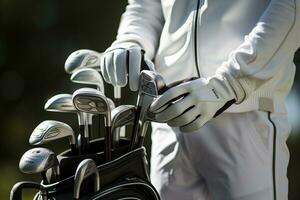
x: 37, y: 160
x: 93, y: 101
x: 88, y: 76
x: 50, y: 130
x: 122, y: 115
x: 83, y: 58
x: 84, y: 170
x: 60, y: 103
x: 90, y: 100
x: 63, y: 103
x: 151, y: 83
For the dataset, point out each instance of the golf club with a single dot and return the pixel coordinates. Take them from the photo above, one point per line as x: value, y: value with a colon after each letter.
x: 84, y: 170
x: 51, y: 130
x: 121, y: 116
x: 63, y: 103
x: 39, y: 160
x: 95, y: 102
x: 149, y: 83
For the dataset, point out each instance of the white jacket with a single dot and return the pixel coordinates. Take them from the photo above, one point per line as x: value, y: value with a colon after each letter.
x: 252, y: 40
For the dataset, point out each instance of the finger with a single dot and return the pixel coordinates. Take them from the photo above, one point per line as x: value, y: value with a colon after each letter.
x: 104, y: 70
x: 174, y: 110
x: 196, y: 124
x: 120, y: 67
x: 134, y: 62
x: 110, y: 68
x: 167, y: 97
x: 185, y: 118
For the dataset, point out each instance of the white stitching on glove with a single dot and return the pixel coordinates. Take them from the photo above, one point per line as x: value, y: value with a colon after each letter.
x: 202, y: 98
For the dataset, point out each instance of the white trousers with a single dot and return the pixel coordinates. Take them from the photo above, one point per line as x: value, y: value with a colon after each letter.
x: 240, y: 156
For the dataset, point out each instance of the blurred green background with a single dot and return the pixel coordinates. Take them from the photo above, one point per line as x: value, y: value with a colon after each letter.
x: 35, y: 39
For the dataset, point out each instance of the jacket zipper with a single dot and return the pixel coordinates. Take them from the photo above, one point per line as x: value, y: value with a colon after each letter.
x: 196, y: 39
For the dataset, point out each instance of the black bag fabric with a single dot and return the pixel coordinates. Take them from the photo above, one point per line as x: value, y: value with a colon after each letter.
x: 125, y: 177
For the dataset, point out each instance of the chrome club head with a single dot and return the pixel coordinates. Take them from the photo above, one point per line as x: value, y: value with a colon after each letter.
x: 51, y: 130
x: 63, y: 103
x: 122, y: 115
x: 151, y: 83
x: 39, y: 160
x: 88, y: 76
x: 83, y: 58
x: 84, y: 170
x: 92, y: 101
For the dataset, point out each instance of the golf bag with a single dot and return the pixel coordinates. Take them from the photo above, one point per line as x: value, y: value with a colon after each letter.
x: 125, y: 177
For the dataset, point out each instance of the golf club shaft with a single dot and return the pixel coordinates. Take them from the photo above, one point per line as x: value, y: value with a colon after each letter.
x: 107, y: 150
x: 74, y: 150
x: 120, y: 132
x: 83, y: 139
x: 136, y: 127
x: 142, y: 136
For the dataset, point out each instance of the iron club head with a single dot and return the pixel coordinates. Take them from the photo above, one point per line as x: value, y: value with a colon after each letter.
x: 88, y: 76
x: 84, y: 170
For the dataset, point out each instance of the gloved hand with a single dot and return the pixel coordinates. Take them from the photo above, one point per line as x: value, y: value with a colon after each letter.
x: 122, y: 61
x: 200, y: 100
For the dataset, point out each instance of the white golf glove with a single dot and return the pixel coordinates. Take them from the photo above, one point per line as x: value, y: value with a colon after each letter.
x: 200, y: 101
x: 122, y: 61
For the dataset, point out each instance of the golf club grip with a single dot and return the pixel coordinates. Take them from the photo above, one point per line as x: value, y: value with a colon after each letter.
x: 16, y: 191
x: 227, y: 105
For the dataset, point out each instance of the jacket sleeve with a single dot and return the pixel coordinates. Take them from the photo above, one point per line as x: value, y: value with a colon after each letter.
x: 249, y: 65
x: 141, y: 24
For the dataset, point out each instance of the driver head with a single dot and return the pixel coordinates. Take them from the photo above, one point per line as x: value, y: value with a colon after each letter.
x: 88, y: 76
x: 81, y: 59
x: 37, y: 160
x: 50, y: 130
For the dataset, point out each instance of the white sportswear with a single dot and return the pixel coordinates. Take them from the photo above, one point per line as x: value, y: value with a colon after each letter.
x: 241, y: 154
x: 252, y: 40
